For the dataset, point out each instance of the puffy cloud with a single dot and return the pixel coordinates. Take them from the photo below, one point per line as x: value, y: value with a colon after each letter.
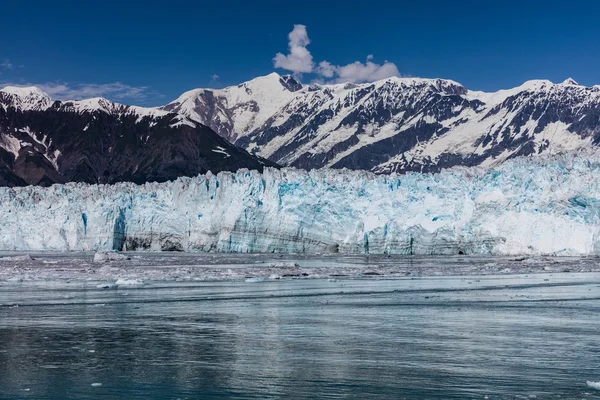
x: 298, y: 36
x: 299, y: 59
x: 326, y: 69
x: 358, y: 72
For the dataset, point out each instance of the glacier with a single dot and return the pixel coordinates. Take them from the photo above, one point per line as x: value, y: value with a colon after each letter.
x: 541, y: 206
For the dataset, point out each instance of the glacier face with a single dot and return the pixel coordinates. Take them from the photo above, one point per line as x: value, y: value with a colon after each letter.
x: 525, y: 206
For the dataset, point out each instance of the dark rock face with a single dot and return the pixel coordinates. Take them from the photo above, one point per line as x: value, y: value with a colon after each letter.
x: 71, y: 142
x: 410, y: 124
x: 290, y: 83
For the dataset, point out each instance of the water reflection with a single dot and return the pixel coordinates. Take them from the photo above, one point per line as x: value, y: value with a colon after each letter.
x: 305, y: 339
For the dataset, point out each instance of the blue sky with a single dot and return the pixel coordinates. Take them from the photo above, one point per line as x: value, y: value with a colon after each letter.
x: 148, y: 53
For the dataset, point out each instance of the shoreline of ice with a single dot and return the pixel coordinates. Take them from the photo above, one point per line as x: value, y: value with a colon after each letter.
x: 135, y: 269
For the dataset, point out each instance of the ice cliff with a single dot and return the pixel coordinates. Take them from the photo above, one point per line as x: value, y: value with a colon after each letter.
x: 525, y: 206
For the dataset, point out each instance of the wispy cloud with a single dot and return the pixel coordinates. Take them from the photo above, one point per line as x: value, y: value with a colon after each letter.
x: 214, y: 78
x: 300, y: 60
x: 116, y: 90
x: 6, y: 64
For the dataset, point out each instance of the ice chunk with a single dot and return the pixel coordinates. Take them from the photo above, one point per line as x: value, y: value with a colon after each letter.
x: 595, y: 385
x: 97, y: 384
x: 129, y: 282
x: 255, y: 280
x: 25, y: 257
x: 106, y: 286
x: 284, y: 265
x: 100, y: 257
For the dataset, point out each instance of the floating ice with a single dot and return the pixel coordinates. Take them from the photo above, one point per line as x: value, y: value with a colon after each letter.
x: 106, y: 286
x: 25, y: 257
x: 129, y: 282
x: 255, y: 280
x: 525, y: 206
x: 595, y: 385
x: 284, y: 265
x: 100, y: 257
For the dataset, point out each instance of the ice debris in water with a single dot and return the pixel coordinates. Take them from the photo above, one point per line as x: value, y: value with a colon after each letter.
x: 96, y: 384
x: 284, y: 265
x: 106, y: 286
x: 255, y: 280
x: 25, y: 257
x: 105, y: 256
x: 129, y: 282
x: 526, y: 206
x: 595, y: 385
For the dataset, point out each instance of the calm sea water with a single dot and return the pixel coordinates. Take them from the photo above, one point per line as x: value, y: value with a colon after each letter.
x: 422, y: 338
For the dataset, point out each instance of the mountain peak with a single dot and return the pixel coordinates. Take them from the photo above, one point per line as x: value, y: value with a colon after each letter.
x: 25, y: 98
x: 25, y: 91
x: 570, y: 82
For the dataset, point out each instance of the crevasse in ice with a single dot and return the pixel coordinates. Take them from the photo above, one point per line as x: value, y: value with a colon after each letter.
x: 525, y: 206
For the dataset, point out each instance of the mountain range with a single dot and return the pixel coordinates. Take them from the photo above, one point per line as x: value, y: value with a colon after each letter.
x: 98, y: 141
x: 392, y: 125
x: 396, y: 124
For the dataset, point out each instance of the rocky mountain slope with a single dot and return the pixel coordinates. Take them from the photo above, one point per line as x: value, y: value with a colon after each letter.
x: 97, y: 141
x: 396, y: 124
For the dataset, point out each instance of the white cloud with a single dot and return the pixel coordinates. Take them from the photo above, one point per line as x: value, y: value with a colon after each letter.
x: 116, y: 90
x: 6, y: 64
x: 299, y: 60
x: 66, y: 91
x: 214, y: 77
x: 326, y: 69
x: 358, y: 72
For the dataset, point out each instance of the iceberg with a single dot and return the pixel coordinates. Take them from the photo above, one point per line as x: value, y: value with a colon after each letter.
x: 541, y: 206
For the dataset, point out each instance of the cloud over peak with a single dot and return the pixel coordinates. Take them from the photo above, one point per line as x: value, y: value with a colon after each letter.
x: 300, y: 60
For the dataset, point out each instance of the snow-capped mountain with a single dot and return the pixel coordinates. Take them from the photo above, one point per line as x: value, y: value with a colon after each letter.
x: 238, y: 111
x: 98, y: 141
x: 396, y: 124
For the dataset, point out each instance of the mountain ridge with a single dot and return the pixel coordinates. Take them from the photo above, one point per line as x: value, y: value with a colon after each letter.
x: 395, y: 124
x: 45, y: 141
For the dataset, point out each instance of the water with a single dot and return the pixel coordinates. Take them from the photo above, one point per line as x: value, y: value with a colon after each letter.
x: 504, y: 337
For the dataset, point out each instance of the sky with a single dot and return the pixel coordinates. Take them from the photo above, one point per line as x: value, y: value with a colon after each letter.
x: 149, y: 52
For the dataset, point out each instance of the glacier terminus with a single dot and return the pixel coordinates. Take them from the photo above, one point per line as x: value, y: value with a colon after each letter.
x: 539, y: 206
